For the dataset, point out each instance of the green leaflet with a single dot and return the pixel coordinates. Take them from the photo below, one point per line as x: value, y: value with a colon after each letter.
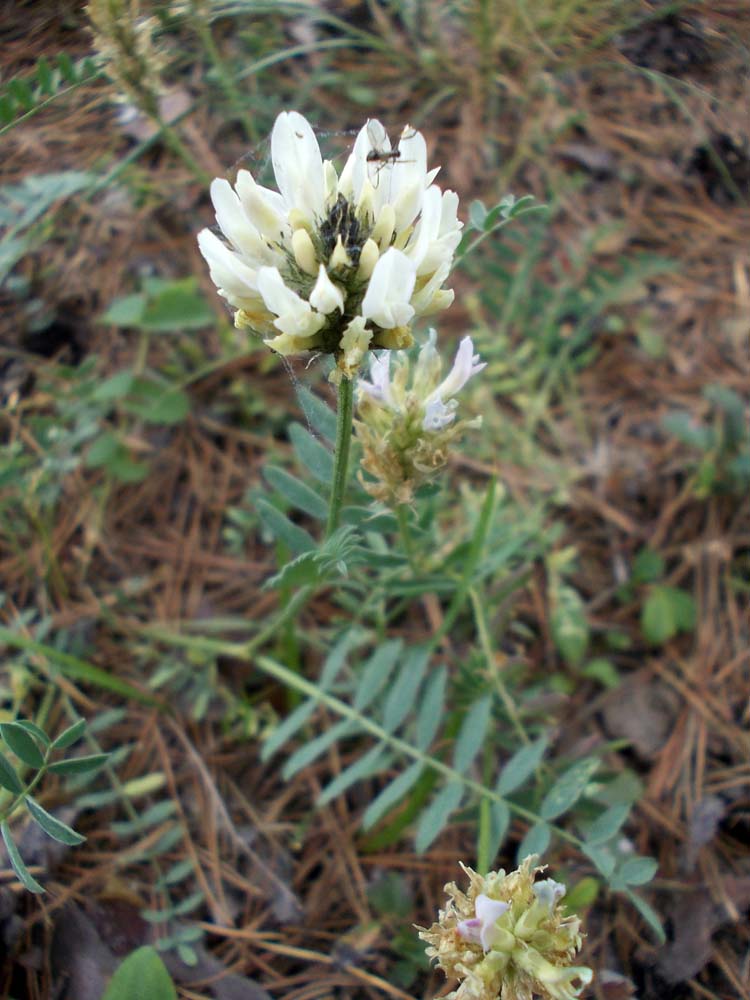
x: 142, y: 974
x: 297, y: 539
x: 568, y: 788
x: 373, y: 762
x: 299, y: 494
x: 536, y: 841
x: 437, y: 814
x: 17, y: 863
x: 311, y: 453
x: 472, y: 734
x: 391, y: 795
x: 521, y: 765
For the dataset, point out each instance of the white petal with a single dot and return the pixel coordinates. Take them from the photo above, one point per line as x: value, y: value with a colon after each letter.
x: 234, y: 223
x: 325, y: 296
x: 424, y: 297
x: 382, y: 231
x: 449, y: 221
x: 358, y: 169
x: 470, y: 930
x: 298, y: 164
x: 339, y: 257
x: 465, y: 365
x: 287, y: 344
x: 231, y: 276
x: 266, y: 211
x: 488, y: 911
x: 330, y: 182
x: 380, y: 372
x: 428, y: 367
x: 427, y: 229
x: 549, y: 892
x: 437, y: 415
x: 294, y: 314
x: 386, y: 301
x: 407, y: 180
x: 368, y: 258
x: 304, y: 251
x: 430, y: 297
x: 354, y: 344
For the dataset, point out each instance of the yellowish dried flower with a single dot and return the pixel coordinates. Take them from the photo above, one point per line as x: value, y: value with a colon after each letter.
x: 124, y: 40
x: 508, y: 938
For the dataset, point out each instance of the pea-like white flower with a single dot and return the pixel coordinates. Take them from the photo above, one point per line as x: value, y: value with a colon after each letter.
x: 508, y: 937
x: 337, y: 264
x: 482, y: 928
x: 407, y: 418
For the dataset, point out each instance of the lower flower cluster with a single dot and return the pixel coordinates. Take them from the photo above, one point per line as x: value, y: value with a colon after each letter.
x: 407, y: 418
x: 508, y: 937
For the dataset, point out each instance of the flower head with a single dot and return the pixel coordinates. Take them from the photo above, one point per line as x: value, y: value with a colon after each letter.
x: 507, y: 937
x: 338, y: 264
x: 406, y: 424
x: 124, y: 41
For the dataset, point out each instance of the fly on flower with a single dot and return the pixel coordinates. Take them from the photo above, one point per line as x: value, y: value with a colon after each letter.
x: 332, y: 263
x: 383, y: 155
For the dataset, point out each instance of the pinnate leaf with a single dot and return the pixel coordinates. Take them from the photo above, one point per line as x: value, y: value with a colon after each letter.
x: 431, y: 710
x: 80, y: 765
x: 637, y: 871
x: 316, y: 458
x: 607, y: 824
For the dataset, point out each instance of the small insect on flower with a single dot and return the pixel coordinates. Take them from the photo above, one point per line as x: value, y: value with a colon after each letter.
x: 384, y: 156
x: 338, y: 264
x: 508, y: 938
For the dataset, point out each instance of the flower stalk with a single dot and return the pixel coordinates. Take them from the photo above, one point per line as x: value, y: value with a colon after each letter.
x: 341, y: 454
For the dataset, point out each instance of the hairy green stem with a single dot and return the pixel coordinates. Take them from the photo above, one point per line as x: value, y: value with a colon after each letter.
x: 341, y: 455
x: 485, y: 642
x: 402, y: 514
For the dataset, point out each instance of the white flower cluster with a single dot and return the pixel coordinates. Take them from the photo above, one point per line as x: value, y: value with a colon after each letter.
x: 338, y: 264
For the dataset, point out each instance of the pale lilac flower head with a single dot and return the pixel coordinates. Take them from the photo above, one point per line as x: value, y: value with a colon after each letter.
x: 432, y: 400
x: 407, y: 417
